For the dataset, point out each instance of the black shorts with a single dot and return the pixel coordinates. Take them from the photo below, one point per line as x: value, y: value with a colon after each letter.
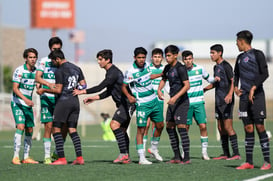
x: 66, y: 111
x: 123, y: 114
x: 225, y: 111
x: 253, y: 113
x: 178, y: 112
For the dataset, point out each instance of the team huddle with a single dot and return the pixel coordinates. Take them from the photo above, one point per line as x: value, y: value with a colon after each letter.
x: 141, y: 90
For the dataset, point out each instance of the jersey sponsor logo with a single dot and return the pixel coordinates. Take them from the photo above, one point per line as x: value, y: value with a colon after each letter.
x: 139, y: 80
x: 246, y: 59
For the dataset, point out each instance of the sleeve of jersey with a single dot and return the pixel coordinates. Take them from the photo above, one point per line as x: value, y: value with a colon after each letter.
x: 263, y: 69
x: 229, y: 71
x: 236, y: 74
x: 58, y: 77
x: 104, y: 94
x: 41, y: 66
x: 182, y: 72
x: 165, y: 70
x: 17, y: 76
x: 106, y: 82
x: 81, y: 76
x: 128, y: 77
x: 206, y: 76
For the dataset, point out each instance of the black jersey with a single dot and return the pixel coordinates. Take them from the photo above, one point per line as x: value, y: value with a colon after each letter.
x: 176, y: 75
x: 113, y: 83
x: 251, y: 69
x: 225, y: 72
x: 69, y: 75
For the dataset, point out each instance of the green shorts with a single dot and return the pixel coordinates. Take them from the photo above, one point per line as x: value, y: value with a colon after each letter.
x: 47, y: 109
x: 152, y: 110
x: 22, y: 115
x: 198, y: 112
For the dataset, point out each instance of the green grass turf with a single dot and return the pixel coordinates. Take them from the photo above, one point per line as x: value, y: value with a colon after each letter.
x: 99, y: 155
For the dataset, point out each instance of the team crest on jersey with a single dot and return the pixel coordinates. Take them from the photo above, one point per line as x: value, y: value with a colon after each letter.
x: 246, y: 59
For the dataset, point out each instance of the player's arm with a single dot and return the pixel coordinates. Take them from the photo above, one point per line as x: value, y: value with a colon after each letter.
x: 106, y: 82
x: 229, y: 73
x: 57, y: 89
x: 131, y: 98
x: 154, y: 76
x: 15, y: 88
x: 39, y: 79
x: 208, y: 87
x: 237, y: 91
x: 160, y: 87
x: 182, y: 91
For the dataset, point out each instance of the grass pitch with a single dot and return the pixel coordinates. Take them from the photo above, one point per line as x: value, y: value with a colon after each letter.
x: 99, y: 155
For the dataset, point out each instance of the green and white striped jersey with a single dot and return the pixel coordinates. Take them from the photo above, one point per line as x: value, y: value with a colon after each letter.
x: 155, y: 70
x: 26, y: 81
x: 46, y: 66
x: 196, y: 74
x: 140, y: 83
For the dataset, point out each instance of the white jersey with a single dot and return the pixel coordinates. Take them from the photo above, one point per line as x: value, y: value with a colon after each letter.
x: 140, y: 83
x: 196, y: 74
x: 46, y: 66
x: 26, y: 81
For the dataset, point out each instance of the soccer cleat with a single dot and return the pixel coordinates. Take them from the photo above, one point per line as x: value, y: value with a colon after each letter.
x: 221, y: 157
x: 121, y: 158
x: 245, y: 166
x: 234, y: 157
x: 144, y: 162
x: 155, y: 154
x: 47, y: 161
x: 266, y: 166
x: 60, y: 161
x: 205, y: 156
x: 184, y: 162
x: 174, y: 160
x: 127, y: 161
x: 16, y: 161
x: 78, y: 161
x: 30, y: 161
x: 54, y: 156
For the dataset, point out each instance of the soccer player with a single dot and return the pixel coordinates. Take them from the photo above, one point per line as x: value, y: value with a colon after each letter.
x: 68, y: 77
x: 121, y: 119
x: 21, y: 105
x: 251, y: 71
x: 138, y: 78
x: 178, y: 105
x: 196, y: 96
x: 156, y: 67
x: 45, y: 76
x: 224, y: 102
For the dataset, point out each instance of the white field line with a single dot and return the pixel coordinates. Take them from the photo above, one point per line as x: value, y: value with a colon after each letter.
x: 262, y: 177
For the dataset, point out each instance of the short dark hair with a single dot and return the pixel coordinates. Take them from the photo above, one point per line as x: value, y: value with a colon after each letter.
x: 157, y: 51
x: 245, y: 35
x: 140, y: 50
x: 54, y: 40
x: 28, y: 50
x: 217, y: 48
x: 171, y: 49
x: 106, y: 54
x: 56, y: 54
x: 186, y: 53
